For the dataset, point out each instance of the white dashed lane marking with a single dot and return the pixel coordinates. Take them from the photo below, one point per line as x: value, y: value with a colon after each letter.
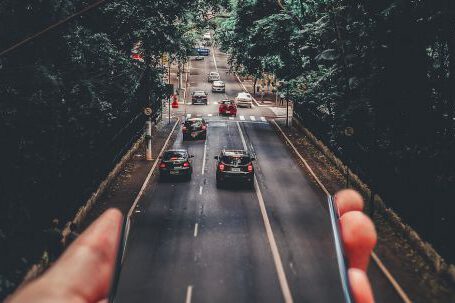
x: 242, y: 118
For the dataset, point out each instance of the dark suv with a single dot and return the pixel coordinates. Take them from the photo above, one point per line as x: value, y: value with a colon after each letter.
x: 234, y: 165
x: 199, y: 97
x: 176, y: 162
x: 194, y: 128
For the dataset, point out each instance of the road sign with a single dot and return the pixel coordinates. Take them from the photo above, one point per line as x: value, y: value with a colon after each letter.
x: 349, y: 131
x: 148, y: 111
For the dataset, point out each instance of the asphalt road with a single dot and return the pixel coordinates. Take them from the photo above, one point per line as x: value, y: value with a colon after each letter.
x: 193, y: 242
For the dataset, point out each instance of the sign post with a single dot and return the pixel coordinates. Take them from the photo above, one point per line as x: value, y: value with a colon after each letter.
x: 148, y: 134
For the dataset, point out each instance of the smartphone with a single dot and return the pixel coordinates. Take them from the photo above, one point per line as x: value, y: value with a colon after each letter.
x: 340, y: 254
x: 119, y: 259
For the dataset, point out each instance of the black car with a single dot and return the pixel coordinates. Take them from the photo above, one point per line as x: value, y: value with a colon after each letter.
x: 234, y: 165
x: 176, y: 162
x: 194, y: 128
x: 199, y: 97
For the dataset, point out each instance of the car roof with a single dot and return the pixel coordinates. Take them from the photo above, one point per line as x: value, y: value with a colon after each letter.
x: 194, y: 119
x: 218, y: 82
x: 243, y: 94
x: 199, y: 92
x: 234, y: 152
x: 176, y: 150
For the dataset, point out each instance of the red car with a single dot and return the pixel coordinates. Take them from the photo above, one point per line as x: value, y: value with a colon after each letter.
x: 227, y: 107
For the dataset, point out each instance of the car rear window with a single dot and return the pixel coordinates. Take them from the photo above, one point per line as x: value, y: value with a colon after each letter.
x: 236, y: 160
x: 193, y: 123
x: 199, y: 94
x: 174, y: 155
x: 227, y: 102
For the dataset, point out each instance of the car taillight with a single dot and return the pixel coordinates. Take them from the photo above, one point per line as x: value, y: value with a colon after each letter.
x: 186, y: 164
x: 184, y: 129
x: 221, y: 166
x: 250, y: 168
x: 163, y: 165
x: 204, y: 127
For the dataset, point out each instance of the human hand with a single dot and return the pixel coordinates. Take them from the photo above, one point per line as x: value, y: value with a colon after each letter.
x: 359, y: 238
x: 84, y: 272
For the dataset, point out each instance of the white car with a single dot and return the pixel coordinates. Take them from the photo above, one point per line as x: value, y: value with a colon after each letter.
x: 244, y: 99
x: 213, y: 76
x: 218, y: 87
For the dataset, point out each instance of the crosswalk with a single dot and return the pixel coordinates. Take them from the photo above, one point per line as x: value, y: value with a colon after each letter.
x: 237, y: 118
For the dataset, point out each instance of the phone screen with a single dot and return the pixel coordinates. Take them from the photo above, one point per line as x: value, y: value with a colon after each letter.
x: 341, y: 257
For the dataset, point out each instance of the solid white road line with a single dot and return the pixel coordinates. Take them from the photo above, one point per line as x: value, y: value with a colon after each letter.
x: 196, y: 227
x: 242, y: 117
x: 263, y: 119
x: 147, y: 179
x: 205, y: 155
x: 189, y: 293
x: 375, y: 258
x: 252, y: 118
x: 200, y: 190
x: 287, y: 296
x: 214, y: 59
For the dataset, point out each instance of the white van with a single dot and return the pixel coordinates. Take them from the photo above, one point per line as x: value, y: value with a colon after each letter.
x: 244, y: 100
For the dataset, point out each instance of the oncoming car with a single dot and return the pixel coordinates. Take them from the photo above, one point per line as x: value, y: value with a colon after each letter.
x: 228, y: 108
x: 176, y: 162
x: 244, y: 99
x: 234, y: 165
x: 194, y: 128
x: 218, y: 87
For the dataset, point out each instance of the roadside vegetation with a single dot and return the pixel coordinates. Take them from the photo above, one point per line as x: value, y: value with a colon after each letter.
x: 71, y: 104
x: 375, y: 80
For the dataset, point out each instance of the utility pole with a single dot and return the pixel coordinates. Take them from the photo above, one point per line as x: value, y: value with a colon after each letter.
x: 148, y: 136
x: 169, y: 82
x: 287, y: 105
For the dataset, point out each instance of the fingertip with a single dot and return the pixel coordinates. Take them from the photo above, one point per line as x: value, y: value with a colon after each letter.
x: 359, y: 238
x: 348, y: 200
x: 360, y: 286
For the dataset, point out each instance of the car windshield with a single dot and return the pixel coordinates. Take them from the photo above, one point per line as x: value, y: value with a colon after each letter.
x: 236, y: 159
x: 213, y: 74
x: 174, y: 155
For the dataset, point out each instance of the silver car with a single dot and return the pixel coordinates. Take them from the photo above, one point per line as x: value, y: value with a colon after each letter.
x: 244, y: 100
x: 218, y: 87
x: 213, y: 76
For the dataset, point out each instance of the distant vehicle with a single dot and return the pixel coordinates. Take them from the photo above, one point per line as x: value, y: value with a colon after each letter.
x: 176, y: 162
x: 202, y: 51
x: 199, y: 97
x: 244, y: 99
x: 227, y: 107
x: 199, y: 58
x: 234, y: 165
x: 194, y: 128
x: 206, y: 39
x: 213, y: 76
x: 218, y: 87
